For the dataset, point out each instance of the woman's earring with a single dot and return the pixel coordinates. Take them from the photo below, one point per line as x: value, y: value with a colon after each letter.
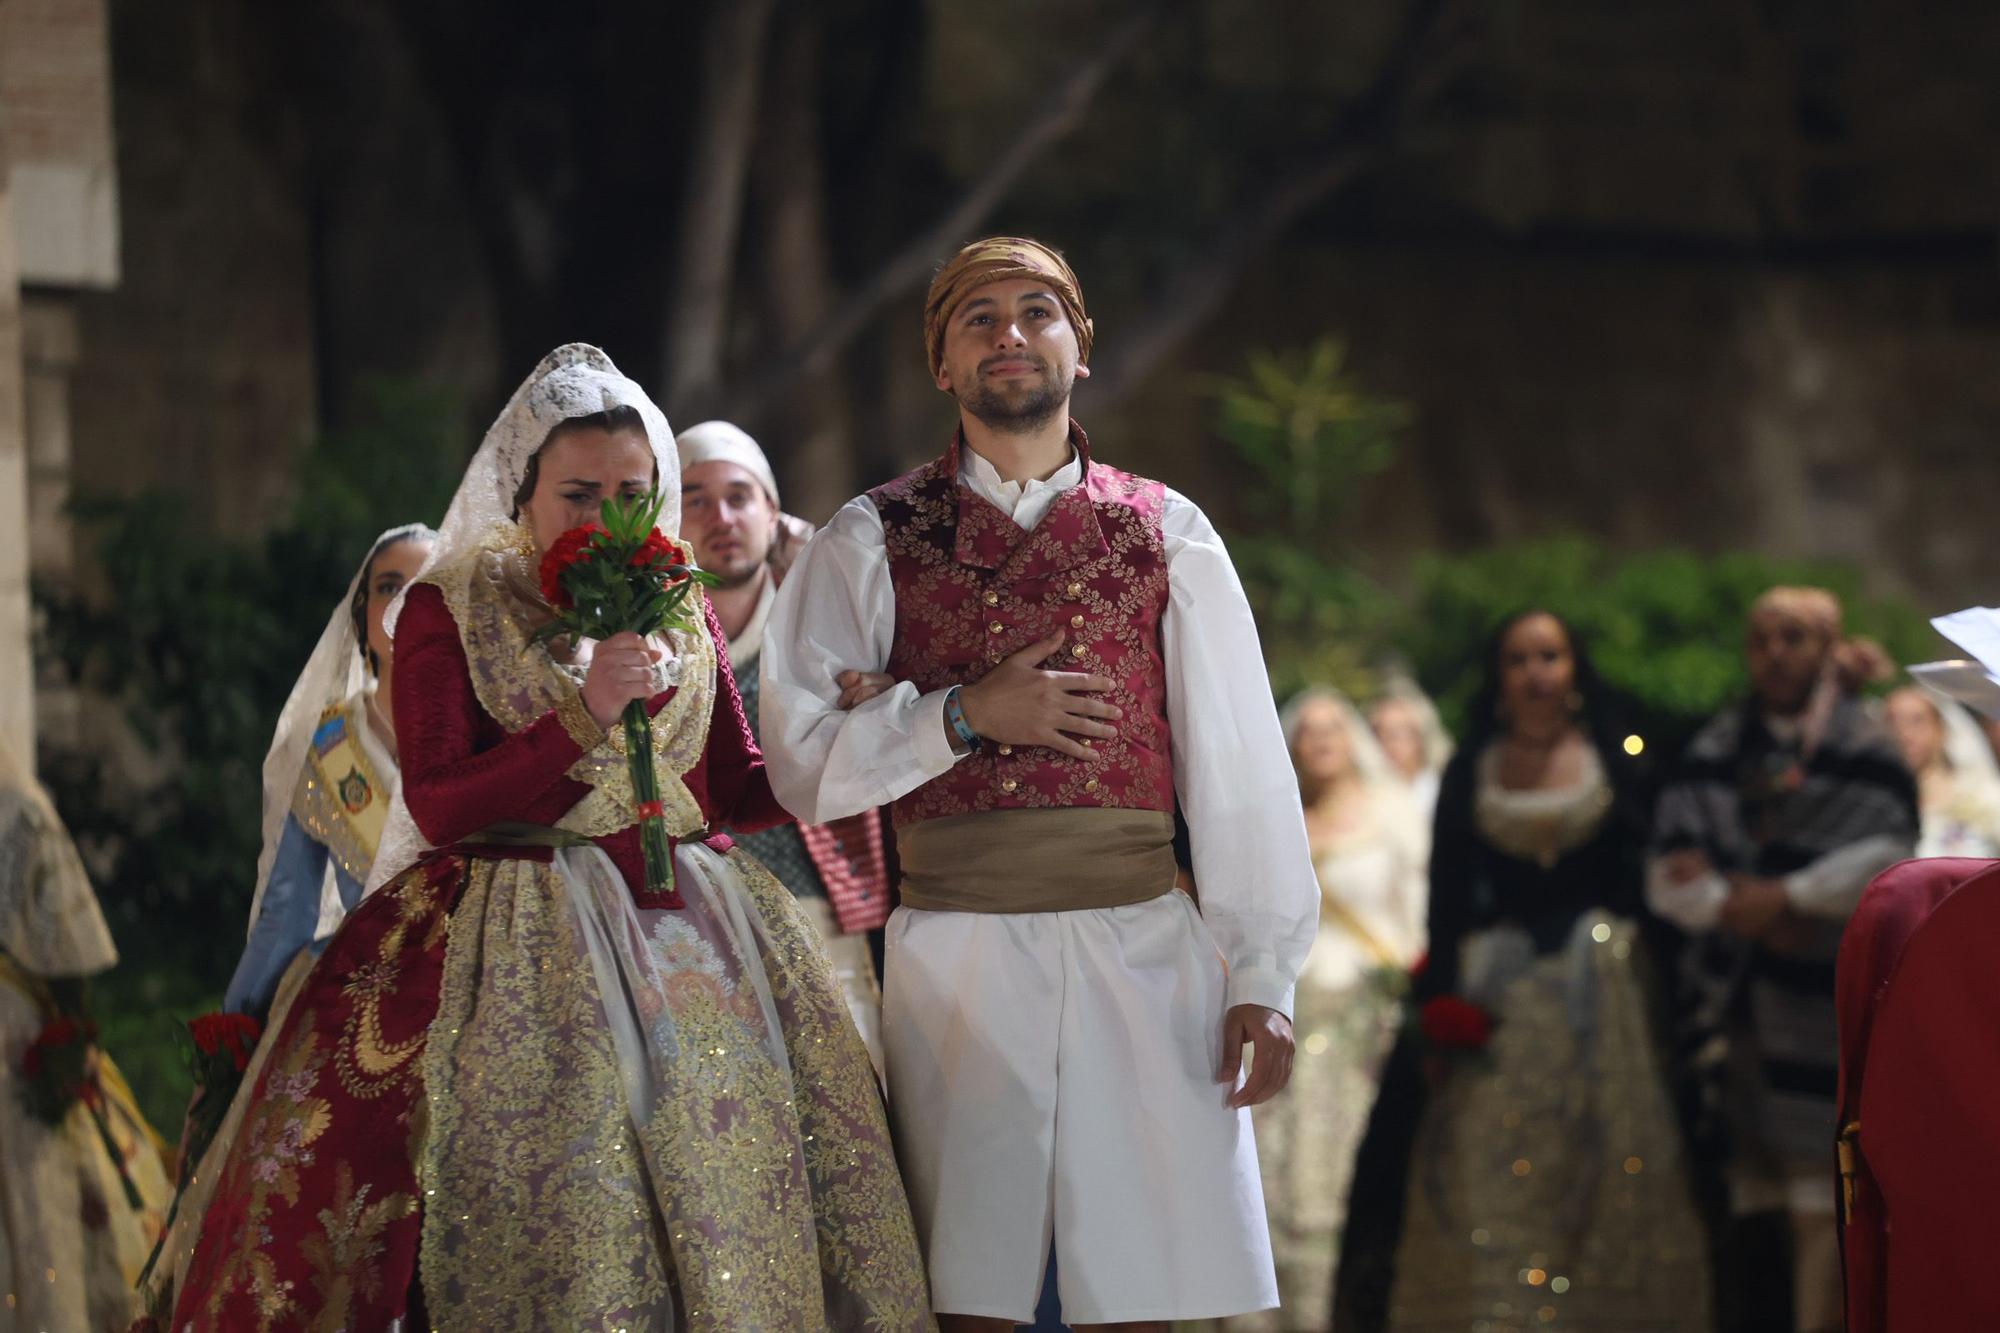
x: 524, y: 540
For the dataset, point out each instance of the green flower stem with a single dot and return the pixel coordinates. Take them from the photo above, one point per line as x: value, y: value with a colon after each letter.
x: 653, y: 838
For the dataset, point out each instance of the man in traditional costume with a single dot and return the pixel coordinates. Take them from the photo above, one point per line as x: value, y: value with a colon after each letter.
x: 1784, y: 808
x: 1072, y: 651
x: 730, y: 515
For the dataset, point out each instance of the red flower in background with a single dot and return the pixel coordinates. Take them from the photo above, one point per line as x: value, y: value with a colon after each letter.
x: 233, y: 1035
x: 1455, y: 1024
x: 572, y: 548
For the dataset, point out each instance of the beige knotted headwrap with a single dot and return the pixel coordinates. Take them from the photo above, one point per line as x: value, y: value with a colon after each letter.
x: 997, y: 259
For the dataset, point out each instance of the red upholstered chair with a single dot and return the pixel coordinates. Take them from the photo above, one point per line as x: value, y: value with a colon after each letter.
x: 1919, y: 997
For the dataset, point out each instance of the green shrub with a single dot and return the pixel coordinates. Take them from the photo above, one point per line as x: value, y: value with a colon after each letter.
x: 1308, y: 433
x: 1666, y: 627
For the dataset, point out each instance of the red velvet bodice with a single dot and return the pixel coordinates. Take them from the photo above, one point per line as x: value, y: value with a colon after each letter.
x: 463, y: 771
x: 972, y: 587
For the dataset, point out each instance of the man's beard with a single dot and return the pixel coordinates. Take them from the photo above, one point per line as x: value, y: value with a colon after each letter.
x: 741, y: 568
x: 740, y: 573
x: 1017, y: 416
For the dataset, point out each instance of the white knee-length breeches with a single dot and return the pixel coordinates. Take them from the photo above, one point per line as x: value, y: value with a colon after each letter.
x: 1054, y: 1075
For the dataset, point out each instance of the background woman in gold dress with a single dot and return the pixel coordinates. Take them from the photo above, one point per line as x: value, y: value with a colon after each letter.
x: 1546, y: 1187
x: 1369, y: 850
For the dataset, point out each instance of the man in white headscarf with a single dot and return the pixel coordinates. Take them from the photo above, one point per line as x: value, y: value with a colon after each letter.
x: 730, y: 514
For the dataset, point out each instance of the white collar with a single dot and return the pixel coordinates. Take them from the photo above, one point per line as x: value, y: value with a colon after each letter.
x: 979, y: 472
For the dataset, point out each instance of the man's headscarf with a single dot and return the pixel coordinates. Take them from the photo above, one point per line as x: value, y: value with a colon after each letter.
x: 725, y: 442
x: 998, y: 259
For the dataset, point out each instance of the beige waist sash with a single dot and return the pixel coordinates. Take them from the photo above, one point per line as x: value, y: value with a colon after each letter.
x: 1037, y: 860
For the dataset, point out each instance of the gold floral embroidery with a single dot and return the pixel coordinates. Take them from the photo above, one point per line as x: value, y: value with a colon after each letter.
x: 276, y: 1138
x: 760, y: 1192
x: 537, y: 1209
x: 346, y: 1255
x: 578, y: 722
x: 367, y: 1063
x: 865, y: 1231
x: 493, y: 599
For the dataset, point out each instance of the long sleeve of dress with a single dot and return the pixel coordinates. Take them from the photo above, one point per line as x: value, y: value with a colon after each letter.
x: 287, y: 916
x: 1693, y: 905
x: 739, y: 786
x: 452, y: 788
x: 1259, y: 895
x: 1831, y: 887
x: 837, y: 612
x: 1454, y: 867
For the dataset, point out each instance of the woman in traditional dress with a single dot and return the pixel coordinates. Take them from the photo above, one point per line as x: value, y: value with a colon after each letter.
x: 329, y: 778
x: 1406, y: 723
x: 1958, y: 782
x: 72, y: 1240
x: 1369, y: 851
x: 519, y: 1089
x: 1546, y: 1186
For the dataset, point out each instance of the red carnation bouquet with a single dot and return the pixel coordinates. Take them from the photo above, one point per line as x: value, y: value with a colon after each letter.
x: 216, y: 1049
x: 623, y: 575
x: 1450, y: 1023
x: 58, y: 1070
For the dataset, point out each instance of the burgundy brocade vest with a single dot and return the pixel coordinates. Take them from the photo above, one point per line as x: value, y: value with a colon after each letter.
x: 972, y: 588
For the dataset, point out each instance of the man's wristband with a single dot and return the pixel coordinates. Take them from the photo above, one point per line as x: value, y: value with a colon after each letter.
x: 954, y: 714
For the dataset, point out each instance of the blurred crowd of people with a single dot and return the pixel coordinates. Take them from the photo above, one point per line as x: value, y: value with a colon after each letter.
x: 1608, y: 1101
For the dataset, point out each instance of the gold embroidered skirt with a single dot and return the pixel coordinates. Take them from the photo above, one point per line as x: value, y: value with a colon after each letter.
x: 1306, y: 1140
x: 507, y: 1097
x: 1547, y: 1188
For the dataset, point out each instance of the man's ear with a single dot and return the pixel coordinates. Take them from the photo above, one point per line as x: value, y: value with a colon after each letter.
x: 1082, y: 371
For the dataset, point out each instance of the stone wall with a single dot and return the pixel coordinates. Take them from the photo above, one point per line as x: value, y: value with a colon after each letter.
x: 17, y: 675
x: 1846, y: 411
x: 198, y: 376
x: 58, y: 237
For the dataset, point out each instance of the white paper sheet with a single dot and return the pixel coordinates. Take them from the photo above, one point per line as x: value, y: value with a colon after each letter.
x: 1974, y: 683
